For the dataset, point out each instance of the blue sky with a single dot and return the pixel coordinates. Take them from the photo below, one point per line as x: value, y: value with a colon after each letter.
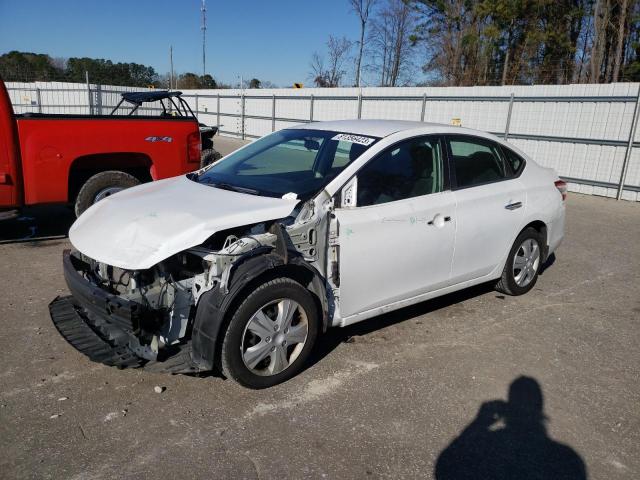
x: 271, y: 40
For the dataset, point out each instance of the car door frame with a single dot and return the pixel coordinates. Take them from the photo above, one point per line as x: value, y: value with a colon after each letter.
x: 446, y: 189
x: 511, y: 176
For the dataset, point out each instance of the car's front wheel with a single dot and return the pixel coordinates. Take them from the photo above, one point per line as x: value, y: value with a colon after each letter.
x: 523, y: 264
x: 270, y: 335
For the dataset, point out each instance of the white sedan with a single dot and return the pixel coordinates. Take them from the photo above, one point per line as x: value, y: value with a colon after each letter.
x: 239, y: 267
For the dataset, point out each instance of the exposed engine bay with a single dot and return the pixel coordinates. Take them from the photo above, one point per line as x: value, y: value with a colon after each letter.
x: 162, y: 301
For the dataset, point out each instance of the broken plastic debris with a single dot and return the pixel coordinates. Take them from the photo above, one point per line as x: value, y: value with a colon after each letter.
x: 55, y: 415
x: 62, y: 399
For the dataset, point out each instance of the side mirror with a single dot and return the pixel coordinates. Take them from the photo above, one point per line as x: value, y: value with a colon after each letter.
x: 310, y: 144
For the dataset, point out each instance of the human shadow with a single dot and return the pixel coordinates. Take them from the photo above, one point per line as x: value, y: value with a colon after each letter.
x: 508, y: 440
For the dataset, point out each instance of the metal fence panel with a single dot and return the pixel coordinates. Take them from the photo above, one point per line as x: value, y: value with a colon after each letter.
x: 583, y: 131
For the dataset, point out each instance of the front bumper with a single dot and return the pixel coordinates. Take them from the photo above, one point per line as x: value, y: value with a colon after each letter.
x: 108, y: 328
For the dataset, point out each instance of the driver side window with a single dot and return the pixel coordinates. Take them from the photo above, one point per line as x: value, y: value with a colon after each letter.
x: 411, y: 168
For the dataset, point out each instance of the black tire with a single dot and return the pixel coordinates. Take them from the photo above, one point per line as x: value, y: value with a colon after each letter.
x: 507, y: 283
x: 232, y: 362
x: 98, y: 183
x: 209, y: 156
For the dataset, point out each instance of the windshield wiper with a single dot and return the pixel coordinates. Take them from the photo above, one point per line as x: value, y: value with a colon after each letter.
x: 234, y: 188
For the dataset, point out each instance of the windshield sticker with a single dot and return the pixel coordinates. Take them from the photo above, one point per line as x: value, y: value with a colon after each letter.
x: 354, y: 139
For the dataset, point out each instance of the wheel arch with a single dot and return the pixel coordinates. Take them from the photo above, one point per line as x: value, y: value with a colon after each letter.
x: 84, y: 167
x: 216, y: 306
x: 541, y: 228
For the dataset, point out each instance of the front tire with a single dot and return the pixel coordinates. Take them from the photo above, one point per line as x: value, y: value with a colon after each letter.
x: 523, y: 264
x: 102, y: 185
x: 270, y: 335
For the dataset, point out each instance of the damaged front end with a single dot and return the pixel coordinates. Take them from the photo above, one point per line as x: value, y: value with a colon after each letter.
x: 169, y: 317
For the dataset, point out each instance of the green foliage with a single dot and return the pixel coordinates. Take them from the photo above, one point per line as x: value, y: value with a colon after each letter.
x: 29, y: 67
x: 489, y: 42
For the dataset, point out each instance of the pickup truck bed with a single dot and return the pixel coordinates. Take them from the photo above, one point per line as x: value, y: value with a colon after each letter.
x: 79, y: 159
x: 66, y: 150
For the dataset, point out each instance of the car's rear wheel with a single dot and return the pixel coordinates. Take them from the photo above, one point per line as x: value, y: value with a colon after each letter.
x: 102, y: 185
x: 270, y: 335
x: 521, y: 270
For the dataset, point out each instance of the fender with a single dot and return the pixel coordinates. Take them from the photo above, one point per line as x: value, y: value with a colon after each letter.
x: 213, y: 305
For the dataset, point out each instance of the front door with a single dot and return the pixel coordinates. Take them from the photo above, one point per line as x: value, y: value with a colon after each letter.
x: 397, y: 242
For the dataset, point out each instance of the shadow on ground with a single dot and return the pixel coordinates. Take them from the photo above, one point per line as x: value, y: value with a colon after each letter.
x: 37, y: 223
x: 327, y: 342
x: 509, y: 440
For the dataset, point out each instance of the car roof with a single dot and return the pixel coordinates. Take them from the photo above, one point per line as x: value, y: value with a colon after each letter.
x: 384, y: 128
x: 149, y: 96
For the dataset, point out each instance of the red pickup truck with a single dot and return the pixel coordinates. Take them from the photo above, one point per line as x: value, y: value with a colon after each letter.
x: 80, y: 159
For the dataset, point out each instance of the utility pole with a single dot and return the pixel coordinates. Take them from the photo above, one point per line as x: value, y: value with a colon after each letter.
x: 171, y: 67
x: 204, y: 36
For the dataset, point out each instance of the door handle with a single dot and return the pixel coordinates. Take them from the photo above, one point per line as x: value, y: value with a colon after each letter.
x: 439, y: 220
x: 513, y: 206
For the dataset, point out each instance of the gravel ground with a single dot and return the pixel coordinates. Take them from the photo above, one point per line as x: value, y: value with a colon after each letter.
x: 434, y: 388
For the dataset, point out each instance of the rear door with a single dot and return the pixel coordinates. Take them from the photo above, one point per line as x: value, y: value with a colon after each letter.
x: 490, y: 205
x: 398, y: 241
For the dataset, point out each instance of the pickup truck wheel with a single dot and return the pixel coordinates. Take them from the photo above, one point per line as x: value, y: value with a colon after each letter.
x: 209, y: 156
x: 270, y: 335
x: 102, y: 185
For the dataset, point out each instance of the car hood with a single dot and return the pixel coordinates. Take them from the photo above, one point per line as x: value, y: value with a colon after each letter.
x: 141, y: 226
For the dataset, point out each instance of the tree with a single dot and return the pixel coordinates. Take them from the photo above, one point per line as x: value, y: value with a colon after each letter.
x: 332, y: 74
x: 490, y: 42
x: 29, y: 67
x: 254, y: 83
x: 391, y: 39
x: 193, y: 81
x: 362, y: 9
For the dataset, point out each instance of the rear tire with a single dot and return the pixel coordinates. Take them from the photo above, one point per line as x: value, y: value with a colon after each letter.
x: 270, y: 335
x: 209, y: 156
x: 523, y: 264
x: 102, y: 185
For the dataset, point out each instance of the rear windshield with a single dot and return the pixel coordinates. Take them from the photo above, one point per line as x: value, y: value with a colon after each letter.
x: 294, y: 161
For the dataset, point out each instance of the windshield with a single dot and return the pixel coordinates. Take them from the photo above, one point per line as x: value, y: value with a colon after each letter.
x: 296, y: 161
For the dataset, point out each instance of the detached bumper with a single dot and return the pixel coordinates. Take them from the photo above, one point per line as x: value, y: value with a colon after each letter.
x: 75, y: 330
x: 107, y: 328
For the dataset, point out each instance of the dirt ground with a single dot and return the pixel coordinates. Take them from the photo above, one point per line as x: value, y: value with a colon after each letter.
x: 436, y: 388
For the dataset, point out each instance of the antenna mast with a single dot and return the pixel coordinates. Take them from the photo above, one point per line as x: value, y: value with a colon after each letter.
x: 203, y: 27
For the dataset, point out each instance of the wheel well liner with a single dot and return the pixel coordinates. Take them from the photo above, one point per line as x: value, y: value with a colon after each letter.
x: 216, y: 305
x: 134, y: 163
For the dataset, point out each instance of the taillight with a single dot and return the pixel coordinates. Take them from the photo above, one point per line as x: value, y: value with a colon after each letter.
x: 193, y: 147
x: 561, y: 185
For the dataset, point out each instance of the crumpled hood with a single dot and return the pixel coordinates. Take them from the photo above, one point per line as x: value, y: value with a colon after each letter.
x: 141, y: 226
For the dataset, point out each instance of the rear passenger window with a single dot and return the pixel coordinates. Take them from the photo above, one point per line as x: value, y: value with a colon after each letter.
x: 476, y: 162
x: 515, y: 161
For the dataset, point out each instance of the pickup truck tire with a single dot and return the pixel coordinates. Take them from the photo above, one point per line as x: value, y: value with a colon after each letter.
x: 102, y: 185
x: 209, y: 156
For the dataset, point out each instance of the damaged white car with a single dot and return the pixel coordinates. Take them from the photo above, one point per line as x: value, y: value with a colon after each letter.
x: 239, y: 267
